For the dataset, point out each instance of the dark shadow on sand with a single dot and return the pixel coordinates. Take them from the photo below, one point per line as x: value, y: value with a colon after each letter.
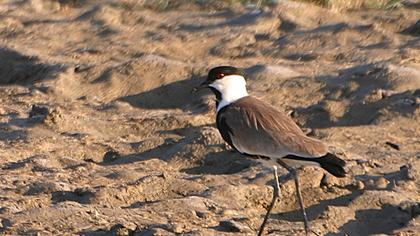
x: 103, y: 31
x: 315, y: 210
x: 81, y: 196
x: 375, y: 221
x: 16, y: 68
x: 233, y: 20
x: 367, y: 221
x: 216, y: 163
x: 356, y: 85
x: 176, y: 95
x: 221, y: 163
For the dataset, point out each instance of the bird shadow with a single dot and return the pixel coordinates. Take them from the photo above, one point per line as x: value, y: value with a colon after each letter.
x: 221, y: 163
x: 367, y: 221
x: 314, y: 211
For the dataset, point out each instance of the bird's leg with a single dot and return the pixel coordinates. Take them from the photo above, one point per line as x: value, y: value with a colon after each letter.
x: 276, y: 194
x: 302, y: 206
x: 298, y: 193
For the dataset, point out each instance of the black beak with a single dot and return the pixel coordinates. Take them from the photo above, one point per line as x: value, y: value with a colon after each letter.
x: 203, y: 85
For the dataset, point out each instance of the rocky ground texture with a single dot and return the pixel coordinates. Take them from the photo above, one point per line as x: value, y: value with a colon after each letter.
x: 100, y: 134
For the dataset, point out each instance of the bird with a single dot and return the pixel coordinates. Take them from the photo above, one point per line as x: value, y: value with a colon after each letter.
x: 256, y: 129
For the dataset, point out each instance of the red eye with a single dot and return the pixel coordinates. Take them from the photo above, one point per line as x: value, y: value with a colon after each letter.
x: 220, y: 75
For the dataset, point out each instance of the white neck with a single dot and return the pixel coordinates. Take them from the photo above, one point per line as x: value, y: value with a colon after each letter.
x: 232, y: 88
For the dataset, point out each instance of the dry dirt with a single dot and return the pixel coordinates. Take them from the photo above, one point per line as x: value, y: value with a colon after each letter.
x: 100, y: 134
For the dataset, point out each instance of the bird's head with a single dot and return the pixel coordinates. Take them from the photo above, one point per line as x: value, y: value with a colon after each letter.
x: 226, y: 82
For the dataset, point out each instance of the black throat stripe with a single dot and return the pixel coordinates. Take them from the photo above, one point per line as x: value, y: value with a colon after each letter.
x: 218, y: 95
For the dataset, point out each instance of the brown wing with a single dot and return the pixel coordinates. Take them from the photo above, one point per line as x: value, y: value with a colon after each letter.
x: 257, y: 128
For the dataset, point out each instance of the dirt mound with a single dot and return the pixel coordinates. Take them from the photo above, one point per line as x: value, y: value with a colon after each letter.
x: 108, y: 16
x: 138, y: 81
x: 367, y: 94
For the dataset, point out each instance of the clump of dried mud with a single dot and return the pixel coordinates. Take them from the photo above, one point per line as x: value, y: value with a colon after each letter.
x: 100, y: 134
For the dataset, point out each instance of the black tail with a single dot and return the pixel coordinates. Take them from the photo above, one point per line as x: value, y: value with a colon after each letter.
x: 329, y: 162
x: 332, y: 164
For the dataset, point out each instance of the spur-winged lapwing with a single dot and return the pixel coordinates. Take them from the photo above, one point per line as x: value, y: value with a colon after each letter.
x: 255, y: 128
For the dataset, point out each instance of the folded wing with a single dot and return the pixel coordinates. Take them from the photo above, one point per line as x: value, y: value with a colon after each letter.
x: 256, y: 128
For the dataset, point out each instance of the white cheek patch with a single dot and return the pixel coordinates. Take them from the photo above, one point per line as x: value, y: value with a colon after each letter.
x: 232, y: 88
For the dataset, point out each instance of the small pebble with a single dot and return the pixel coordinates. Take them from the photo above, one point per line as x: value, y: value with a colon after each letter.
x: 201, y: 214
x: 370, y: 184
x: 393, y: 145
x: 177, y: 228
x: 373, y: 164
x: 359, y: 185
x: 328, y: 181
x: 384, y: 93
x: 5, y: 223
x: 233, y: 226
x: 229, y: 213
x: 120, y: 230
x: 381, y: 183
x: 111, y: 156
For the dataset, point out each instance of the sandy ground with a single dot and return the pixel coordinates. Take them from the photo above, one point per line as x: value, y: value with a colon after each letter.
x: 100, y: 134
